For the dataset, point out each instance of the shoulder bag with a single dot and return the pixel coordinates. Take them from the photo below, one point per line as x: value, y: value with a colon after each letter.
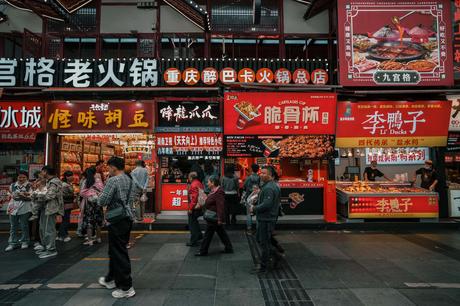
x: 119, y: 213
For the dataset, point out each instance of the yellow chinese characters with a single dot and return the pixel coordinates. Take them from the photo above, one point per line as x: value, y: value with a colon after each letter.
x: 115, y: 116
x: 87, y: 119
x: 139, y: 120
x: 60, y: 119
x: 394, y: 205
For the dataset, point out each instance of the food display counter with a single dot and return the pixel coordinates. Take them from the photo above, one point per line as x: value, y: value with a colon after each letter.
x: 299, y: 197
x: 371, y: 200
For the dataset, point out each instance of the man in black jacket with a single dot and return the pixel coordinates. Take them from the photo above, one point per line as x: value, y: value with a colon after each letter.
x: 267, y: 210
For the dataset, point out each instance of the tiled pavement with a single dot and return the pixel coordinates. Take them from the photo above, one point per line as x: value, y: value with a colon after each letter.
x: 321, y: 268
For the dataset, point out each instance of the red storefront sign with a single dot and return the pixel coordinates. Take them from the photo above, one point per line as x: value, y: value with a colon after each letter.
x: 174, y: 197
x: 456, y: 31
x: 109, y: 117
x: 393, y: 207
x: 392, y: 124
x: 279, y: 113
x: 194, y: 144
x: 20, y: 121
x: 395, y: 43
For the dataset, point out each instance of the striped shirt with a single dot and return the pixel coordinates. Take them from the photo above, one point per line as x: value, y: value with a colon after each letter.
x: 117, y: 187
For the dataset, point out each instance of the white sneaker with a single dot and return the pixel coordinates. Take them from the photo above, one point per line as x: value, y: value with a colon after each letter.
x: 39, y: 248
x: 36, y: 244
x: 58, y: 239
x: 24, y: 245
x: 9, y: 248
x: 108, y: 285
x: 119, y: 294
x: 67, y: 239
x: 47, y: 255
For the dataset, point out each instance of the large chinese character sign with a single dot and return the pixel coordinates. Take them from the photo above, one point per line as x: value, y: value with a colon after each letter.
x: 392, y: 124
x: 395, y: 43
x: 20, y: 121
x: 100, y: 116
x: 279, y: 113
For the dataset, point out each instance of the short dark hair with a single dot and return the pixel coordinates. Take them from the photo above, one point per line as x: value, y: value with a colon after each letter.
x: 272, y: 172
x: 140, y: 162
x: 214, y: 179
x: 193, y: 175
x: 49, y: 170
x: 255, y: 168
x: 67, y: 174
x: 22, y: 172
x: 116, y: 162
x: 99, y: 162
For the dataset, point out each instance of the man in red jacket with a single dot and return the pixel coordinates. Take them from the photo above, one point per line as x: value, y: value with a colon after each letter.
x: 194, y: 212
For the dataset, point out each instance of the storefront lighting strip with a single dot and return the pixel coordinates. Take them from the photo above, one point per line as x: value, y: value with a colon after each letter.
x: 100, y: 134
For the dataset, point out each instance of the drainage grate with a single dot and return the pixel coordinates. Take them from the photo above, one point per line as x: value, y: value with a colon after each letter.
x: 280, y: 286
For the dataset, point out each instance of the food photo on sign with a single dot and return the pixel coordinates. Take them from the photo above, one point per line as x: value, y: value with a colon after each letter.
x: 395, y: 43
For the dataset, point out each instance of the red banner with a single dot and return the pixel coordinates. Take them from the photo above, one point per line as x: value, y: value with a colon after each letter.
x: 174, y: 197
x: 392, y: 124
x: 262, y: 113
x: 393, y: 207
x: 100, y: 117
x: 189, y: 144
x: 395, y: 43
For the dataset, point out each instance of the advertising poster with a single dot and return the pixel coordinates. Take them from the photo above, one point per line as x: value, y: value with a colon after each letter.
x: 454, y: 120
x: 392, y: 124
x: 279, y: 113
x: 395, y: 43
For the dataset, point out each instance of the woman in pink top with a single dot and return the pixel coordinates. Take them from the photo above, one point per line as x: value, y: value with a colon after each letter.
x: 93, y: 218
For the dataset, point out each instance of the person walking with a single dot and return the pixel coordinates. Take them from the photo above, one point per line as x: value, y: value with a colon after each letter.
x: 93, y: 218
x: 54, y: 206
x: 38, y: 186
x: 215, y: 203
x: 118, y: 196
x: 194, y: 212
x: 267, y: 210
x: 140, y: 176
x: 230, y: 185
x: 251, y: 191
x: 19, y: 210
x: 68, y: 195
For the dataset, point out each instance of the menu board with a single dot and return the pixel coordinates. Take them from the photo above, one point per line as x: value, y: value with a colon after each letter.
x: 302, y: 146
x: 395, y: 43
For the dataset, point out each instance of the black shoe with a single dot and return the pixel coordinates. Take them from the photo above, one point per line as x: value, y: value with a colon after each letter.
x: 190, y: 244
x: 259, y: 270
x: 227, y: 251
x: 201, y: 254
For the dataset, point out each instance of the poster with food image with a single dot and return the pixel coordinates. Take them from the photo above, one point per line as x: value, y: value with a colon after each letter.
x: 300, y: 146
x: 395, y: 43
x: 279, y: 113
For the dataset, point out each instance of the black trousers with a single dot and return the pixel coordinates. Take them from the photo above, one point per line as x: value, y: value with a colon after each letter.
x: 119, y: 264
x: 264, y: 238
x: 194, y: 227
x: 63, y: 228
x: 231, y: 208
x: 212, y: 228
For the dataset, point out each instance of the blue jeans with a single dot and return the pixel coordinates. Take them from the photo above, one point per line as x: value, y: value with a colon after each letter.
x: 19, y: 222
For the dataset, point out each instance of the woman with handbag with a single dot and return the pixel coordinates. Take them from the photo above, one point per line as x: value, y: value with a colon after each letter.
x: 68, y: 194
x: 93, y: 218
x: 215, y: 217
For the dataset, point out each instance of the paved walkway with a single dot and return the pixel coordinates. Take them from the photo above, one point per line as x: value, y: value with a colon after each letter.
x: 321, y: 268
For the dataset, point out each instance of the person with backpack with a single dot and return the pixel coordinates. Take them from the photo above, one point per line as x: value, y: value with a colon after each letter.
x: 118, y: 196
x: 231, y: 187
x: 215, y: 216
x: 194, y: 209
x: 251, y: 190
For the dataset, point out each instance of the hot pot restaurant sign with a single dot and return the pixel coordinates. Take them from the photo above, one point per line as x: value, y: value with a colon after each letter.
x: 392, y: 124
x: 187, y: 144
x: 21, y: 121
x: 279, y: 113
x: 393, y: 207
x: 395, y: 43
x: 100, y: 116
